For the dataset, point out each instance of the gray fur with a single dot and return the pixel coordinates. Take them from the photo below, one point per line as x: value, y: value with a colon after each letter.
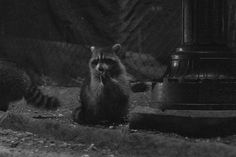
x: 15, y: 84
x: 105, y: 93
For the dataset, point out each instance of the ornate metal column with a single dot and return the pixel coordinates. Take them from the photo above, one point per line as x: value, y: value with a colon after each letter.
x: 197, y: 97
x: 202, y: 72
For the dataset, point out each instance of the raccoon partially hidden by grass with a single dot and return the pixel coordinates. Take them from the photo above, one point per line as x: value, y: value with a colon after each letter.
x: 15, y: 84
x: 105, y: 93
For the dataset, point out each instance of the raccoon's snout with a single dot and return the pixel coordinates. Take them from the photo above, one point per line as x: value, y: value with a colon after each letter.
x: 101, y: 68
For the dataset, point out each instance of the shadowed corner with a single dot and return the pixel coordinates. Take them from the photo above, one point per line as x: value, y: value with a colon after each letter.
x: 140, y: 86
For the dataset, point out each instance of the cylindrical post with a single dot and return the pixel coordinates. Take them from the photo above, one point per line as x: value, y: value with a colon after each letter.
x: 202, y: 71
x: 204, y: 23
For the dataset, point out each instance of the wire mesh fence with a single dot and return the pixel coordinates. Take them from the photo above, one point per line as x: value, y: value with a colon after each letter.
x: 50, y: 36
x: 61, y: 61
x: 150, y: 31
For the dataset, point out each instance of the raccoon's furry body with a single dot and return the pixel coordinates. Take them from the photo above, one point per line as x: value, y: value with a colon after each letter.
x: 15, y: 84
x: 105, y: 93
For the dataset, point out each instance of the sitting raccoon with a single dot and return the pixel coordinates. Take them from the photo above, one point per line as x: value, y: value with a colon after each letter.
x: 15, y: 84
x: 105, y: 93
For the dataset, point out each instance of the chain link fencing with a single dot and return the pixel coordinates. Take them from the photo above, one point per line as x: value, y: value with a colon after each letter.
x: 51, y: 38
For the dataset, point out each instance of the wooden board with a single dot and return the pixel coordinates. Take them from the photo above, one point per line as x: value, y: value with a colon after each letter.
x: 184, y: 122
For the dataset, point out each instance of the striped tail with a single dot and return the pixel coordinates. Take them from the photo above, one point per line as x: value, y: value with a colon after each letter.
x: 36, y: 98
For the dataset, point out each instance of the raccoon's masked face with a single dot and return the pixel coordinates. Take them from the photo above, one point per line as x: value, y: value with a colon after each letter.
x: 104, y: 63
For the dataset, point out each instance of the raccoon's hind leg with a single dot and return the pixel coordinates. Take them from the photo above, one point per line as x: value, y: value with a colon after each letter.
x: 78, y: 115
x: 81, y: 115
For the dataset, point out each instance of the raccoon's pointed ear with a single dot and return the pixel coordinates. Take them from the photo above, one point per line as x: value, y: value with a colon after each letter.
x: 92, y: 49
x: 116, y: 48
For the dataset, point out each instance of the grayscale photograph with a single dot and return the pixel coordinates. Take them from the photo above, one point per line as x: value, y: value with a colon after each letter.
x: 118, y: 78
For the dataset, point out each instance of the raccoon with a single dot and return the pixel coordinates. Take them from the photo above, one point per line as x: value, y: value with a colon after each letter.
x: 15, y: 84
x: 105, y: 93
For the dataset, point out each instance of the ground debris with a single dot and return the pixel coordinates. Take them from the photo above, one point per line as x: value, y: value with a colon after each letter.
x: 91, y: 147
x: 91, y: 139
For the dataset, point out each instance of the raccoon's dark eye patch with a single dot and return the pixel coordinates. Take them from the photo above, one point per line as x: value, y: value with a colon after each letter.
x: 95, y: 61
x: 109, y: 61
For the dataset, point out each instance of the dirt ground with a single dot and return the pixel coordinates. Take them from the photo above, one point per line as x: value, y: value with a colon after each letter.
x: 16, y: 141
x: 23, y: 138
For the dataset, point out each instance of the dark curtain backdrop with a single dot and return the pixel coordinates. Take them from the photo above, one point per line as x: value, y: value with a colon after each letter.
x: 148, y: 29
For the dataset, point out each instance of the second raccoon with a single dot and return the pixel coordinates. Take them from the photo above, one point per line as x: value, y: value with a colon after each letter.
x: 15, y: 84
